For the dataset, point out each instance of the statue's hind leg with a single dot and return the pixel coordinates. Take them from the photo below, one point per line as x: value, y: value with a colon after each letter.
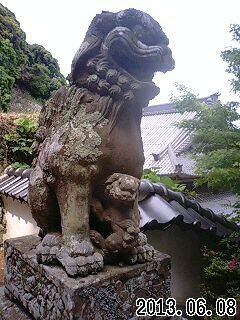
x: 77, y: 254
x: 43, y: 203
x: 45, y: 211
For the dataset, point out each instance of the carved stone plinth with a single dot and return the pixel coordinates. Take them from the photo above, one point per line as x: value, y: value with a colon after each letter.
x: 48, y: 293
x: 10, y: 310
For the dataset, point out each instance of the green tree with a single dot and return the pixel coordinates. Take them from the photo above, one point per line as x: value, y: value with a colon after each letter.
x: 8, y: 72
x: 31, y: 67
x: 232, y: 57
x: 153, y: 176
x: 42, y: 75
x: 215, y: 129
x: 39, y: 55
x: 216, y: 148
x: 6, y: 84
x: 215, y: 140
x: 10, y: 30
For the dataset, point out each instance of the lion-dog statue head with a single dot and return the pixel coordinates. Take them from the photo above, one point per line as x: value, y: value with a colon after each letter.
x: 89, y: 156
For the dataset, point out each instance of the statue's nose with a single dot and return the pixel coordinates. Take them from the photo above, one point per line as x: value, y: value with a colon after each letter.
x: 129, y: 185
x: 133, y: 230
x: 167, y: 63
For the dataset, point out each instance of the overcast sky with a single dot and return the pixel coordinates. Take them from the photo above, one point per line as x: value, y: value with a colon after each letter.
x: 198, y: 32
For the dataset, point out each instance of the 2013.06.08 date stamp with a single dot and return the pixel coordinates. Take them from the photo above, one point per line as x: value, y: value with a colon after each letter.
x: 194, y: 307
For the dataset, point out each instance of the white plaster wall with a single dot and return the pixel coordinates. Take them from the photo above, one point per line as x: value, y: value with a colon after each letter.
x: 184, y: 249
x: 19, y: 219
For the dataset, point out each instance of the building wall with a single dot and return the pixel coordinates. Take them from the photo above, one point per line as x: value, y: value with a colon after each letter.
x: 184, y: 249
x: 19, y: 219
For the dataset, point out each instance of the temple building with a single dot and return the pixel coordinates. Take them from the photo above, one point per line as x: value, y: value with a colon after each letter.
x: 166, y: 149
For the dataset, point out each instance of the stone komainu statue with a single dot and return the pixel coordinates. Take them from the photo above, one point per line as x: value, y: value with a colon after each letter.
x: 84, y: 187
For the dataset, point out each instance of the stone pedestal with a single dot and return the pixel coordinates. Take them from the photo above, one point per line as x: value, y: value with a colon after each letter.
x: 10, y: 310
x: 48, y: 293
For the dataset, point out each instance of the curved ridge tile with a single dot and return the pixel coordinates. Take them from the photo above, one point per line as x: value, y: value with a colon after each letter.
x: 145, y: 190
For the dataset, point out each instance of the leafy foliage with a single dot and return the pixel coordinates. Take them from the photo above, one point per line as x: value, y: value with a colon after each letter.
x: 222, y: 271
x: 215, y: 140
x: 6, y: 84
x: 8, y: 126
x: 39, y: 55
x: 19, y: 151
x: 8, y: 72
x: 232, y: 57
x: 153, y: 176
x: 30, y: 66
x: 216, y: 148
x: 13, y: 48
x: 43, y: 73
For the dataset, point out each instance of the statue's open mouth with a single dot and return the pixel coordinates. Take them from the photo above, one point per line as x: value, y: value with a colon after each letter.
x: 138, y: 59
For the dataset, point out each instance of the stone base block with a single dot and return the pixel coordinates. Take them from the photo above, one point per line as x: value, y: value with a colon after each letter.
x: 48, y: 293
x: 10, y: 310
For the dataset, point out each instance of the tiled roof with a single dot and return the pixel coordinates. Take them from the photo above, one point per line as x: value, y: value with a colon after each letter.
x: 222, y: 202
x: 159, y: 207
x: 14, y: 184
x: 164, y: 142
x: 169, y: 107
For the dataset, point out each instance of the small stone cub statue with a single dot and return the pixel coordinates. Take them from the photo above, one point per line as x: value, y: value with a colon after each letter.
x: 89, y: 155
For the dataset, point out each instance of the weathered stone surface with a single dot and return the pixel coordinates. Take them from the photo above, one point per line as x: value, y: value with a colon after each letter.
x: 50, y: 294
x: 88, y: 147
x: 10, y: 310
x: 2, y: 223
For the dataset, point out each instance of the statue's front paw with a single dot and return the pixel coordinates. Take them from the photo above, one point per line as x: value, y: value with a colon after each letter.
x: 145, y: 253
x: 48, y: 248
x: 80, y: 260
x: 142, y: 252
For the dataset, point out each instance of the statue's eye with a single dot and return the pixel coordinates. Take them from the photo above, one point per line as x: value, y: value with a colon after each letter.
x: 139, y: 32
x: 143, y: 34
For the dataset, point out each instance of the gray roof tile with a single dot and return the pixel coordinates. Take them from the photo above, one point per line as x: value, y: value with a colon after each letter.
x: 160, y: 208
x: 161, y: 136
x: 163, y: 141
x: 15, y: 183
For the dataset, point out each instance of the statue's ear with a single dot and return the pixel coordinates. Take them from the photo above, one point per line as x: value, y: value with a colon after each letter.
x: 97, y: 31
x: 89, y: 47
